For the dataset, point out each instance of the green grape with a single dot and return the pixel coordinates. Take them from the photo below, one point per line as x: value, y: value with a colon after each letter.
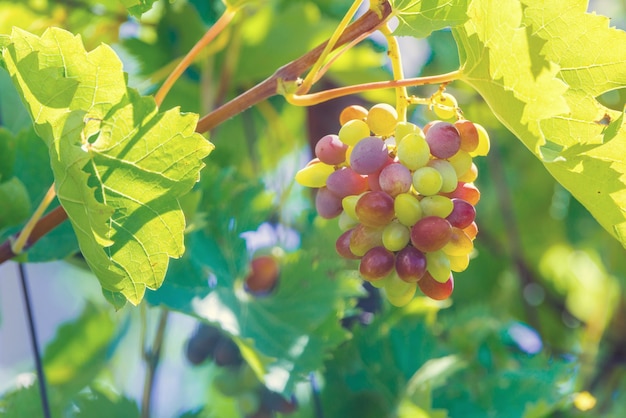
x: 404, y: 128
x: 483, y: 142
x: 382, y: 119
x: 438, y: 265
x: 445, y: 105
x: 407, y: 209
x: 413, y: 151
x: 458, y: 263
x: 396, y: 236
x: 448, y: 175
x: 352, y: 132
x: 459, y: 245
x: 399, y: 292
x: 437, y: 205
x: 427, y: 181
x: 462, y: 162
x: 380, y: 284
x: 314, y: 174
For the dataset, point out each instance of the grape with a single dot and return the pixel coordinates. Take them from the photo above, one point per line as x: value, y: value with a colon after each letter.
x: 465, y: 191
x: 445, y: 105
x: 327, y: 203
x: 369, y: 155
x: 405, y: 128
x: 201, y: 344
x: 410, y: 264
x: 460, y: 244
x: 396, y: 236
x: 376, y: 264
x: 353, y: 131
x: 430, y: 233
x: 434, y: 289
x: 314, y: 175
x: 443, y: 140
x: 458, y: 263
x: 407, y: 209
x: 438, y: 265
x: 248, y: 402
x: 471, y: 230
x: 462, y: 162
x: 264, y: 271
x: 227, y: 353
x: 375, y: 209
x: 470, y: 175
x: 382, y: 119
x: 440, y: 206
x: 469, y: 135
x: 349, y: 205
x: 373, y: 181
x: 395, y: 179
x: 429, y: 124
x: 346, y: 222
x: 462, y: 215
x: 330, y: 150
x: 448, y: 175
x: 413, y: 151
x: 364, y: 238
x: 399, y: 292
x: 427, y: 181
x: 343, y: 245
x: 353, y: 112
x: 483, y: 142
x: 345, y: 182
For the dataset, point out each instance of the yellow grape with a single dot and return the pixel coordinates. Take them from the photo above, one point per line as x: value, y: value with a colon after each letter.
x: 413, y: 151
x: 459, y: 244
x: 399, y: 292
x: 438, y: 265
x: 427, y: 181
x: 314, y: 174
x: 404, y: 128
x: 396, y: 236
x: 470, y: 175
x: 352, y: 132
x: 461, y: 161
x: 445, y: 106
x: 349, y: 203
x: 382, y: 119
x: 458, y: 263
x: 407, y: 209
x: 448, y: 175
x: 436, y: 206
x: 483, y: 142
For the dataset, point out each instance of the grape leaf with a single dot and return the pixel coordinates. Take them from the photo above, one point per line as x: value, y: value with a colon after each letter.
x: 137, y: 7
x: 118, y: 164
x: 540, y: 66
x: 419, y: 18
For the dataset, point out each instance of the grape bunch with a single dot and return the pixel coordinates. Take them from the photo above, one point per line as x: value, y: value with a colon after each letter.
x: 235, y: 378
x: 404, y: 196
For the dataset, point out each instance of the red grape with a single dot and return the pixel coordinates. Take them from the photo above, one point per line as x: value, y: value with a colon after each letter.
x: 431, y: 233
x: 345, y: 182
x: 463, y: 214
x: 443, y: 139
x: 376, y: 263
x: 434, y: 289
x: 327, y: 203
x: 375, y: 209
x: 369, y: 155
x: 410, y: 264
x: 343, y: 245
x: 395, y: 179
x: 330, y: 150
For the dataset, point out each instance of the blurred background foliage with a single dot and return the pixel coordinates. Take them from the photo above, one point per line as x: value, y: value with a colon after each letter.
x: 536, y: 326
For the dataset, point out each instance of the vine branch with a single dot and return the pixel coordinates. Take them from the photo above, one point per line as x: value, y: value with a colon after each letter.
x: 290, y: 72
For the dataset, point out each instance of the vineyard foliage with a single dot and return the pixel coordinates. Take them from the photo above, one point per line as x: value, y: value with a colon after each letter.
x: 168, y: 219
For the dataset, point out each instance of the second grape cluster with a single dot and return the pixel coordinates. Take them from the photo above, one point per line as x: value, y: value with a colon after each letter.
x: 404, y: 196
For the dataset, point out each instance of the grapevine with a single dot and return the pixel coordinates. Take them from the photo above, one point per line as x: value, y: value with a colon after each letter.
x: 404, y: 195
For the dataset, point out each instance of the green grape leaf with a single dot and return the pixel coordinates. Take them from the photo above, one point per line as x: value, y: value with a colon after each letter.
x: 98, y: 404
x: 79, y: 350
x: 419, y: 18
x: 138, y: 7
x: 540, y: 65
x: 119, y: 165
